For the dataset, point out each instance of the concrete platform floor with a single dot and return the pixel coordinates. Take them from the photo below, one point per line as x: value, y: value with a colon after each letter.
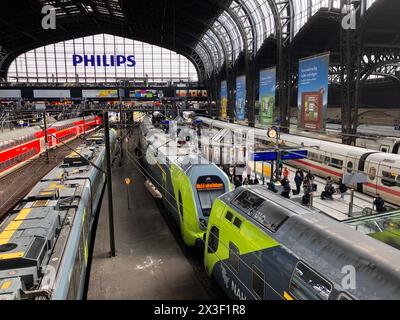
x: 149, y: 262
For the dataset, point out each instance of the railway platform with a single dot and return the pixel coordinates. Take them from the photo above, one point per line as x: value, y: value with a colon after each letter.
x: 149, y: 263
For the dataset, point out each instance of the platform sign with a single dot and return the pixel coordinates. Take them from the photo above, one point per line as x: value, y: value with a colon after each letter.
x: 267, y: 96
x: 313, y: 92
x: 265, y: 156
x: 224, y: 100
x: 294, y: 155
x: 240, y: 102
x: 285, y: 155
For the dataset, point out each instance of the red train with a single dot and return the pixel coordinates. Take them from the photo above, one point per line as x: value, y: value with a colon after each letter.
x: 20, y: 146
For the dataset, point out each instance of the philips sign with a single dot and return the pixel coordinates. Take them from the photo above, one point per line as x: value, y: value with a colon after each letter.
x: 103, y: 60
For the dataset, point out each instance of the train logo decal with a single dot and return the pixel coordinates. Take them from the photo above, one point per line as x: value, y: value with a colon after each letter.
x: 234, y: 288
x: 225, y: 276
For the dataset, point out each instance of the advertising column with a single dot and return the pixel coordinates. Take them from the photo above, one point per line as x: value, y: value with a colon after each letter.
x: 240, y: 98
x: 313, y: 92
x: 267, y: 96
x: 224, y: 100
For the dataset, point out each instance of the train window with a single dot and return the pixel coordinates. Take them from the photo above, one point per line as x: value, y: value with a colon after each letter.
x: 336, y: 163
x: 237, y: 223
x: 308, y: 285
x: 398, y: 180
x: 350, y: 167
x: 327, y: 160
x: 234, y: 257
x: 12, y: 161
x: 270, y: 215
x: 229, y: 216
x: 213, y: 240
x: 7, y: 163
x: 1, y: 166
x: 388, y: 179
x: 385, y: 148
x: 258, y: 280
x: 248, y: 201
x: 372, y: 173
x: 344, y: 296
x: 209, y: 188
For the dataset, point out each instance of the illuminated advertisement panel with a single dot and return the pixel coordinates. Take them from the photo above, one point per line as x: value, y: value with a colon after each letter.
x: 313, y: 92
x: 267, y: 96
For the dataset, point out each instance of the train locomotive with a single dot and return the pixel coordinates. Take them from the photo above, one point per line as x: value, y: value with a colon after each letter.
x: 189, y: 184
x: 332, y: 159
x: 262, y: 246
x: 20, y: 146
x: 45, y: 241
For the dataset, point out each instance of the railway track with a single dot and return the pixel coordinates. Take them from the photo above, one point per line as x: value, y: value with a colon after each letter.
x: 14, y: 186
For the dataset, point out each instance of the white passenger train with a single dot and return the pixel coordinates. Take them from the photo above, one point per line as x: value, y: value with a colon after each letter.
x: 335, y: 159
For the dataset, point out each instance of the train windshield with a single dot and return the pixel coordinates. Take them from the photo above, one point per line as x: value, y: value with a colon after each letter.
x: 385, y: 228
x: 209, y: 188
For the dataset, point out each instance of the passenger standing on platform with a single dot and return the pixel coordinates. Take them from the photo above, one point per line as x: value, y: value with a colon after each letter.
x: 286, y: 173
x: 245, y: 182
x: 256, y: 181
x: 286, y: 190
x: 238, y: 183
x: 342, y: 188
x: 301, y: 173
x: 298, y: 180
x: 307, y: 188
x: 310, y: 176
x: 379, y: 204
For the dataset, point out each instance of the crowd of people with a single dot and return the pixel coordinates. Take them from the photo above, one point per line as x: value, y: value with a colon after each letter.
x: 307, y: 182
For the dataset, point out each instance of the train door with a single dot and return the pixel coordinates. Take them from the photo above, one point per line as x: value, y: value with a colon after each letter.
x: 396, y: 147
x: 362, y: 168
x: 372, y: 169
x: 351, y: 165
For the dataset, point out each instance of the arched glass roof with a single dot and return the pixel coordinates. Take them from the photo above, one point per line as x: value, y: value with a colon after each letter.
x: 246, y: 24
x: 55, y: 62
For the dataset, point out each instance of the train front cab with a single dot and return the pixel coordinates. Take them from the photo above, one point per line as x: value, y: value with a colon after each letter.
x: 195, y: 193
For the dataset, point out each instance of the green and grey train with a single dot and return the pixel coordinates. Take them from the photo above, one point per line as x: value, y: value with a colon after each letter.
x: 45, y: 240
x: 262, y: 246
x: 189, y: 184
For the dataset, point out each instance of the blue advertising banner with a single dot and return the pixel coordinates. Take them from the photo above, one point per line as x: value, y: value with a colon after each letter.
x: 241, y: 98
x: 224, y: 100
x: 267, y: 95
x: 313, y: 92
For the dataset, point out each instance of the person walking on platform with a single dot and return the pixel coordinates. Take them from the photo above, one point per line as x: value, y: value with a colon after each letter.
x: 256, y: 181
x: 310, y: 176
x: 342, y: 188
x: 298, y: 180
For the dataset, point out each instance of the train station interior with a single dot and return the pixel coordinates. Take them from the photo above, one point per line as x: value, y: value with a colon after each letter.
x: 210, y: 150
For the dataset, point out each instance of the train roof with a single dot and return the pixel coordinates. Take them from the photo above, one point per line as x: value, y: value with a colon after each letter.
x: 19, y: 133
x: 294, y: 140
x: 30, y: 236
x: 328, y: 245
x: 69, y: 121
